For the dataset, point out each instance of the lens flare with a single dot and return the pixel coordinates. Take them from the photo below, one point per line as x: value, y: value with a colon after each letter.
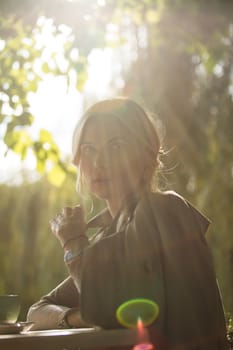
x: 143, y: 346
x: 140, y: 326
x: 143, y: 338
x: 132, y: 310
x: 143, y: 335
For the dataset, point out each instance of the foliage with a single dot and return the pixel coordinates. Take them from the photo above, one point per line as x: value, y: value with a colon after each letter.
x: 24, y: 61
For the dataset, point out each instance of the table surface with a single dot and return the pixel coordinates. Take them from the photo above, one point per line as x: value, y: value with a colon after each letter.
x: 69, y: 339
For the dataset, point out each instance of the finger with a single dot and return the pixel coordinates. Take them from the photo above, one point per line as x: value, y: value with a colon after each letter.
x: 59, y: 218
x: 55, y: 222
x: 78, y: 210
x: 67, y: 211
x: 53, y: 225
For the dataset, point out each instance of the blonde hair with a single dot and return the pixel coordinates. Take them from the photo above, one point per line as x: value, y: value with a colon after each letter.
x: 138, y: 124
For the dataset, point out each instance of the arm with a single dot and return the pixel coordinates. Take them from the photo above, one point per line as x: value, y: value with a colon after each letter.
x: 60, y: 308
x: 60, y: 303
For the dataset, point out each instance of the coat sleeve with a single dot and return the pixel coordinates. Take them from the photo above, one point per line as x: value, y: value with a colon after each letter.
x: 48, y: 312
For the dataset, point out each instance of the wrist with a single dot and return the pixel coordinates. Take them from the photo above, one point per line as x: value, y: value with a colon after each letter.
x: 64, y: 323
x: 74, y: 250
x: 71, y: 255
x: 67, y: 319
x: 67, y: 244
x: 75, y: 320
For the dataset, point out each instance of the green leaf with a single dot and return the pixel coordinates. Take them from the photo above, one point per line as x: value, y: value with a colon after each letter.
x: 26, y: 119
x: 40, y: 166
x: 56, y: 176
x: 82, y: 78
x: 19, y: 141
x: 45, y: 68
x: 45, y: 136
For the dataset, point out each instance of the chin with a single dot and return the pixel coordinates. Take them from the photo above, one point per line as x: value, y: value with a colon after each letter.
x: 102, y: 194
x: 101, y: 191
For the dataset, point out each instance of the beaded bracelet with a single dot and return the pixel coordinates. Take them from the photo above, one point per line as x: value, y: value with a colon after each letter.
x: 72, y: 255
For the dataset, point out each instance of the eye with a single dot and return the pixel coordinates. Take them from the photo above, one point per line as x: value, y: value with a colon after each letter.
x: 117, y: 146
x: 88, y: 150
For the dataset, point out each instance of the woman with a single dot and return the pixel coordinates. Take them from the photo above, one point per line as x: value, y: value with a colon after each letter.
x: 149, y: 244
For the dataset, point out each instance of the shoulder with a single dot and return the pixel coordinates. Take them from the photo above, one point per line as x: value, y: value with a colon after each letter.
x: 162, y: 201
x: 170, y: 209
x: 157, y: 206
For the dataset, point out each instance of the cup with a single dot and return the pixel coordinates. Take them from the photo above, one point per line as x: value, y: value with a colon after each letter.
x: 9, y: 308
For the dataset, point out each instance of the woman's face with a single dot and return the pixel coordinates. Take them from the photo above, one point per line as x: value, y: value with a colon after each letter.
x: 110, y: 159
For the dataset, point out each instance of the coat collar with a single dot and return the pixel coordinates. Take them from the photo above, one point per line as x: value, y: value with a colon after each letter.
x: 102, y: 219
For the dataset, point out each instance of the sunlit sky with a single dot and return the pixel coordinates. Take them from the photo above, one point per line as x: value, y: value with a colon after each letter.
x: 58, y: 110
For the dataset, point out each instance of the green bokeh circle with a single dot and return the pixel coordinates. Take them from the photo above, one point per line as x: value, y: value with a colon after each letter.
x: 130, y: 311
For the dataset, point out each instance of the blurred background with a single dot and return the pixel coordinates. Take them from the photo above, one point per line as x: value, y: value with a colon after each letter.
x: 57, y: 57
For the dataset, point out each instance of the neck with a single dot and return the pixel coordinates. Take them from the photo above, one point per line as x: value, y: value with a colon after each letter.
x: 117, y: 203
x: 114, y: 206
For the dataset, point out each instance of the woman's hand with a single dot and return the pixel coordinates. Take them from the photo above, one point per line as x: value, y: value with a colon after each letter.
x: 74, y: 319
x: 69, y: 224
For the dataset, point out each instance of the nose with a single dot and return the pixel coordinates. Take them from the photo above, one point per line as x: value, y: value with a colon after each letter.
x: 101, y: 159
